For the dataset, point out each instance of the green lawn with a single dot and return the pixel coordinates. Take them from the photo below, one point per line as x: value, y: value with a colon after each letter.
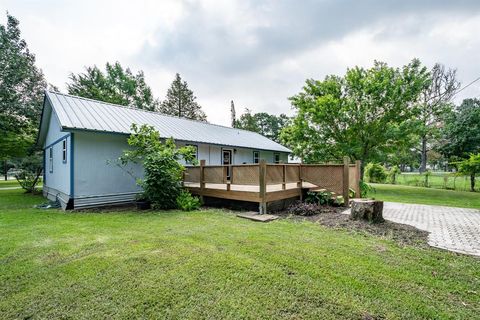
x: 13, y: 183
x: 8, y: 183
x: 211, y: 264
x: 438, y: 180
x: 406, y: 194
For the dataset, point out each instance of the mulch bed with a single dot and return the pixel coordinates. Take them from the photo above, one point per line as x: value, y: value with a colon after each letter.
x: 332, y: 217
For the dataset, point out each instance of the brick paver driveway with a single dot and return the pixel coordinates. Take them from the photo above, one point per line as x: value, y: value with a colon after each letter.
x: 454, y: 229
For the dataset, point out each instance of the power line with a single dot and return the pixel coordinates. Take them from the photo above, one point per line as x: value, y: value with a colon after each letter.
x: 468, y: 85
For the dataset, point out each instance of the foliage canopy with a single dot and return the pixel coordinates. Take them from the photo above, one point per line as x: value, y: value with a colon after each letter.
x: 362, y: 115
x: 181, y: 102
x: 117, y: 85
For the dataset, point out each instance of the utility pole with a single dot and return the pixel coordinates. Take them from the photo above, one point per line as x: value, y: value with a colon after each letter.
x: 233, y: 114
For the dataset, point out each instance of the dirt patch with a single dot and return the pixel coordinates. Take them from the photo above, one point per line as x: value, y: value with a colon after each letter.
x: 332, y: 217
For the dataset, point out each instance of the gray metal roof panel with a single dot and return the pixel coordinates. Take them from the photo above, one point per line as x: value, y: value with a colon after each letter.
x: 86, y: 114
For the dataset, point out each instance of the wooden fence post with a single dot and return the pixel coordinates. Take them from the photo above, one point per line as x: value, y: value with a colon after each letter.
x: 358, y: 191
x: 346, y: 179
x: 284, y: 182
x: 228, y: 182
x: 300, y: 183
x: 262, y: 182
x: 202, y: 174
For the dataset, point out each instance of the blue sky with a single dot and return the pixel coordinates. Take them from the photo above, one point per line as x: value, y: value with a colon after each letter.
x: 257, y: 53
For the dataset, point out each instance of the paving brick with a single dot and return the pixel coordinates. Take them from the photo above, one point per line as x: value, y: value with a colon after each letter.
x: 454, y: 229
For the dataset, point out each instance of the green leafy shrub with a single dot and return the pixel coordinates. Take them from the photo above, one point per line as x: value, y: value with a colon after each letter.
x: 392, y: 174
x: 187, y: 202
x: 305, y: 209
x: 375, y: 173
x: 162, y: 181
x: 321, y: 198
x: 365, y: 189
x: 324, y: 198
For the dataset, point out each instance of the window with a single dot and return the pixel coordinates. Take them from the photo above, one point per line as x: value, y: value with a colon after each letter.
x: 64, y: 151
x: 196, y: 151
x: 276, y: 157
x: 50, y: 159
x: 256, y: 156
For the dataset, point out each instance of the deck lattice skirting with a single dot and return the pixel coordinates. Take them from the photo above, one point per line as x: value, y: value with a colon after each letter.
x: 264, y: 183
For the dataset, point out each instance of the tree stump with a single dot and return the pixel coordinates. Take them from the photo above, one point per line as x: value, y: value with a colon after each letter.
x: 370, y: 210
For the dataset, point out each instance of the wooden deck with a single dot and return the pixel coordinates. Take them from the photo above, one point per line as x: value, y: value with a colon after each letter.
x: 265, y: 183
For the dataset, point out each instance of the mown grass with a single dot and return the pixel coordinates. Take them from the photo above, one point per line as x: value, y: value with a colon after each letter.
x: 437, y: 180
x: 406, y: 194
x: 8, y: 183
x: 14, y: 183
x: 211, y: 264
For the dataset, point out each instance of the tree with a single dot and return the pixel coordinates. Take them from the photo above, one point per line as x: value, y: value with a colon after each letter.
x: 181, y: 102
x: 434, y: 104
x: 21, y: 94
x: 268, y: 125
x: 117, y: 85
x: 361, y: 115
x: 461, y: 132
x: 31, y: 168
x: 163, y: 172
x: 471, y: 167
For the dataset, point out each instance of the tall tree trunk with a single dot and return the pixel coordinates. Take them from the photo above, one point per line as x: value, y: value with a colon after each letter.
x: 5, y: 169
x: 423, y: 163
x: 472, y: 182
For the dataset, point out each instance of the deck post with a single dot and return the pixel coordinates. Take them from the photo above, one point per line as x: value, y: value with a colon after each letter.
x: 358, y: 165
x: 227, y: 182
x: 284, y: 182
x: 202, y: 174
x: 346, y: 188
x: 299, y: 183
x: 262, y: 171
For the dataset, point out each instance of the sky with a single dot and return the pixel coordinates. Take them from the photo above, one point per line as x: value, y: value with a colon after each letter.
x: 256, y: 53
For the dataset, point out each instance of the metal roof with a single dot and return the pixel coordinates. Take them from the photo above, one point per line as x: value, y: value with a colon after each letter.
x: 77, y: 113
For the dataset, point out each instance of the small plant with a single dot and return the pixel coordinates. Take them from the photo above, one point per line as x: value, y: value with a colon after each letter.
x: 392, y: 174
x: 304, y: 209
x: 321, y: 198
x: 426, y: 175
x: 375, y: 173
x: 187, y: 202
x: 365, y: 189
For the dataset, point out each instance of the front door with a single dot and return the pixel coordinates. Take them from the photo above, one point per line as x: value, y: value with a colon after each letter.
x: 227, y: 160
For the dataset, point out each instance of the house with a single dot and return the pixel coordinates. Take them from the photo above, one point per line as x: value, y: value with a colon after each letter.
x: 81, y: 138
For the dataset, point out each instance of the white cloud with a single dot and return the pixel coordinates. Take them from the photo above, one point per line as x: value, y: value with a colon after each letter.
x: 256, y: 53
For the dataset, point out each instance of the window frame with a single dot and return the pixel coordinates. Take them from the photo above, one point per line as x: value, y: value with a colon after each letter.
x: 275, y: 154
x: 258, y: 156
x: 50, y: 159
x: 64, y: 150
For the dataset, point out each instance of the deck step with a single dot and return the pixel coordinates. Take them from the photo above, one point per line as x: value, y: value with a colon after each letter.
x: 322, y: 190
x: 254, y: 216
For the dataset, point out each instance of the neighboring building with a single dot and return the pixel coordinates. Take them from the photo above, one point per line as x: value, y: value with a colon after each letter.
x: 82, y: 137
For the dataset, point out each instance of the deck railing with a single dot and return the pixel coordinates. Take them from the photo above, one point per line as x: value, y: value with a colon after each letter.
x: 338, y: 178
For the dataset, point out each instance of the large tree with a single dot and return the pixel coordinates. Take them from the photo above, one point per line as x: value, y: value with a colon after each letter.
x: 461, y: 131
x: 181, y: 102
x: 116, y: 85
x: 268, y: 125
x: 434, y: 104
x: 21, y: 93
x: 361, y: 115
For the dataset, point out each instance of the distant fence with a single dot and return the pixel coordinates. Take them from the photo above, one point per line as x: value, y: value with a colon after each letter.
x: 338, y: 178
